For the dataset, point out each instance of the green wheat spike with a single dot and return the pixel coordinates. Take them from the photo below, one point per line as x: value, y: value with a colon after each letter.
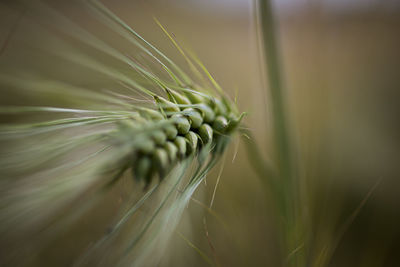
x: 53, y: 171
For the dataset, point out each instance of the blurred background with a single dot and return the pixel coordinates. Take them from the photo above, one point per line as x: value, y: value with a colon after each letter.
x: 341, y: 71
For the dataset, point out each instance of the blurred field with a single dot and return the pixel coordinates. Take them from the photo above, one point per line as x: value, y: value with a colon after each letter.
x: 342, y: 75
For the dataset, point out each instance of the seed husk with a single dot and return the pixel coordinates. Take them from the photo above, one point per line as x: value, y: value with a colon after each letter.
x: 194, y: 116
x: 151, y: 114
x: 142, y: 169
x: 166, y: 106
x: 159, y: 137
x: 182, y: 123
x: 192, y: 141
x: 195, y: 98
x: 234, y: 121
x: 174, y: 96
x: 180, y: 143
x: 172, y: 151
x: 171, y: 131
x: 160, y: 158
x: 205, y: 133
x: 146, y: 146
x: 220, y: 107
x: 207, y: 112
x: 220, y: 124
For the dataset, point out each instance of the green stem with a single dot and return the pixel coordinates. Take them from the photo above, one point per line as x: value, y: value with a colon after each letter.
x: 286, y: 194
x: 276, y: 88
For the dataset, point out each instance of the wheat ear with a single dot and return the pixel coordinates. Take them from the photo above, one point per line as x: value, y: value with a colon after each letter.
x: 159, y: 121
